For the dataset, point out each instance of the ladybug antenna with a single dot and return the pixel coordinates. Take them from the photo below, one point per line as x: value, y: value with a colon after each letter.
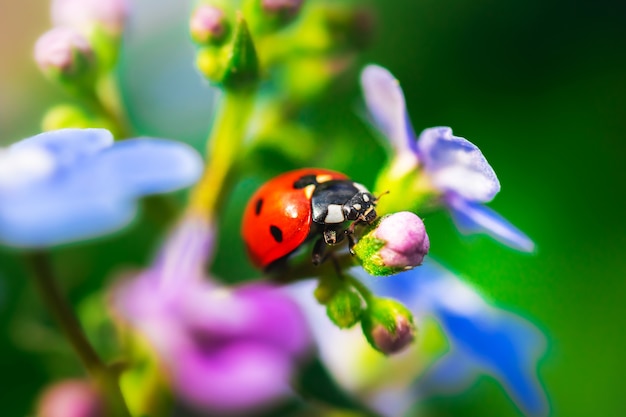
x: 381, y: 194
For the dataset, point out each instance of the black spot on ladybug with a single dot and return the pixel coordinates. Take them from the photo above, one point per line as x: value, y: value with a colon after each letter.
x: 277, y: 234
x: 305, y: 181
x: 258, y: 205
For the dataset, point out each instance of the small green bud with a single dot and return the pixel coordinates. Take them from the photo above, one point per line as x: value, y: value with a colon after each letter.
x: 66, y: 116
x: 388, y: 325
x: 345, y: 307
x: 234, y: 65
x: 212, y: 63
x: 325, y: 290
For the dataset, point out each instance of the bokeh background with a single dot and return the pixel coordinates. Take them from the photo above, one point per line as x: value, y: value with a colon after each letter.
x: 539, y: 86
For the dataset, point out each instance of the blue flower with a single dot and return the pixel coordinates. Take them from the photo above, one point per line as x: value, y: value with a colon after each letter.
x: 73, y: 184
x: 483, y: 339
x: 454, y: 168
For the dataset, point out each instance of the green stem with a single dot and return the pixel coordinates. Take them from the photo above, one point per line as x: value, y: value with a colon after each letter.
x: 112, y: 105
x: 304, y: 269
x: 105, y: 101
x: 224, y: 144
x: 62, y: 312
x: 362, y: 289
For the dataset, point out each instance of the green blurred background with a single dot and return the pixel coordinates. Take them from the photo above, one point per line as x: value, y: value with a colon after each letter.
x: 539, y: 86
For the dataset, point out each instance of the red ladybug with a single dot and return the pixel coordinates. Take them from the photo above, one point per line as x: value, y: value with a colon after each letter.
x: 302, y: 205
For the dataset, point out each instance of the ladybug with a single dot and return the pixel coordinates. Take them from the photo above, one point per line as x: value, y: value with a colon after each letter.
x: 300, y: 206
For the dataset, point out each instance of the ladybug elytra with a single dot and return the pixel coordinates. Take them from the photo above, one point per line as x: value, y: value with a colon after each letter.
x: 302, y: 205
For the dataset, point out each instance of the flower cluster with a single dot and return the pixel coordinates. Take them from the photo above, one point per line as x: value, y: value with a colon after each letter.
x: 348, y: 293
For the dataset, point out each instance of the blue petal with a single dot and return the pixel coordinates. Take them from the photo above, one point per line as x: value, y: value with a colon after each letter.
x: 148, y: 165
x: 385, y: 101
x: 473, y: 218
x: 70, y: 145
x: 503, y: 345
x: 62, y: 215
x: 488, y: 339
x: 97, y: 192
x: 453, y: 373
x: 456, y: 165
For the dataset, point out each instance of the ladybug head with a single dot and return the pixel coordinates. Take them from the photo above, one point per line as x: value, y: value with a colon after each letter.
x: 361, y: 207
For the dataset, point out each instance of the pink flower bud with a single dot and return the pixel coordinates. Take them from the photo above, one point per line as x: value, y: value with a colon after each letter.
x: 70, y: 398
x: 397, y: 243
x: 208, y: 23
x: 406, y: 241
x: 85, y: 14
x: 388, y: 326
x: 392, y: 341
x: 61, y: 48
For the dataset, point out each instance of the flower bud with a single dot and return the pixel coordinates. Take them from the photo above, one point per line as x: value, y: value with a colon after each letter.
x: 397, y: 242
x: 65, y: 54
x: 70, y: 398
x: 345, y: 307
x: 208, y: 25
x: 282, y: 8
x: 388, y: 326
x: 84, y: 15
x: 234, y: 65
x: 67, y: 116
x: 267, y: 16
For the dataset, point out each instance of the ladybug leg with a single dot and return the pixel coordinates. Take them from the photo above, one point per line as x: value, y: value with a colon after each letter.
x: 319, y: 249
x: 331, y: 235
x: 349, y: 232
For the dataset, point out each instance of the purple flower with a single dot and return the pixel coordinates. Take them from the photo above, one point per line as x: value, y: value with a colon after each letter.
x: 74, y: 184
x: 85, y: 14
x: 454, y: 168
x: 225, y: 349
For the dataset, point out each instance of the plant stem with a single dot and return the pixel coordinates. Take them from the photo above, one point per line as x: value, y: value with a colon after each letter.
x: 110, y: 98
x: 361, y: 288
x: 223, y: 145
x: 62, y: 312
